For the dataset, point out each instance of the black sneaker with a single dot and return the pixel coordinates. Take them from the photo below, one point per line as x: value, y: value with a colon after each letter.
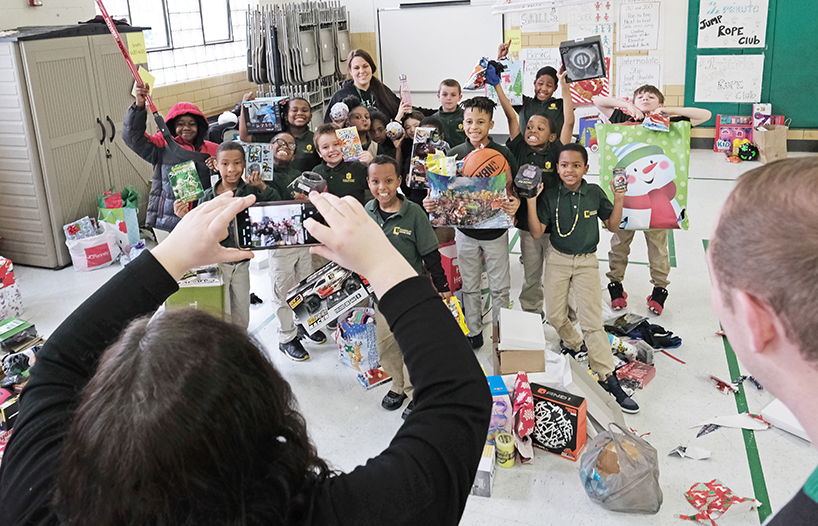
x: 294, y: 350
x: 656, y: 301
x: 618, y: 295
x: 316, y: 337
x: 408, y: 410
x: 476, y: 341
x: 393, y: 400
x: 611, y: 384
x: 255, y: 300
x: 578, y: 356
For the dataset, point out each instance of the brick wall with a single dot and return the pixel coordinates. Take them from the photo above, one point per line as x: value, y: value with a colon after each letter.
x: 212, y: 95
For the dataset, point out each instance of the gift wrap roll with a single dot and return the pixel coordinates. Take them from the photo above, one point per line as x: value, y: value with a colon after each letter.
x: 505, y: 450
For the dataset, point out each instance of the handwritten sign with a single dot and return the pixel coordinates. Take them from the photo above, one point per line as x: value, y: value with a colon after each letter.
x: 136, y: 47
x: 605, y: 31
x: 638, y: 26
x: 515, y: 37
x: 542, y: 21
x: 533, y: 60
x: 634, y: 72
x: 591, y: 13
x: 724, y: 24
x: 729, y: 78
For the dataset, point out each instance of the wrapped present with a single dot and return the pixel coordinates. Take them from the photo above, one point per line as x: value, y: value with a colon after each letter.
x: 6, y: 273
x: 80, y: 229
x: 11, y: 302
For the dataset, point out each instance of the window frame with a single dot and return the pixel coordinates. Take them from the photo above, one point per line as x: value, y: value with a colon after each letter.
x: 230, y: 37
x: 168, y: 33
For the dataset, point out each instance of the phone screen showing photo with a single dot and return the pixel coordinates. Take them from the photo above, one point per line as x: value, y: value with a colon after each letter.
x: 276, y: 225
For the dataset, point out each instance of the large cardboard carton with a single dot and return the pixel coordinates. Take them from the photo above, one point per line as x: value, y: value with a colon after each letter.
x: 560, y: 422
x: 512, y: 361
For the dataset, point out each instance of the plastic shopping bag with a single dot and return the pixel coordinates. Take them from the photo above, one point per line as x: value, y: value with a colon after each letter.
x: 94, y: 252
x: 620, y: 472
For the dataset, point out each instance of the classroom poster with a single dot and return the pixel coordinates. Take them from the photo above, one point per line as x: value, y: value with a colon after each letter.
x: 729, y: 78
x: 656, y: 164
x: 634, y: 72
x: 638, y: 26
x: 591, y: 13
x: 534, y: 59
x: 724, y: 25
x: 540, y: 21
x: 605, y: 31
x: 512, y: 81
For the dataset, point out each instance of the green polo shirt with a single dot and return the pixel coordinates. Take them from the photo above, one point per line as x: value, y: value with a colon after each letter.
x: 585, y: 205
x: 453, y: 131
x: 546, y: 159
x: 306, y: 157
x: 243, y: 190
x: 408, y: 229
x: 348, y: 178
x: 550, y: 108
x: 282, y: 177
x: 461, y: 151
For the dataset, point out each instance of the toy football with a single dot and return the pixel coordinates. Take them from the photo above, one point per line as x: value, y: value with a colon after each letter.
x: 485, y: 162
x: 394, y: 131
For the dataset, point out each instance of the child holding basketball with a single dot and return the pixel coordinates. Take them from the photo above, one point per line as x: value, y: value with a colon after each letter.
x: 571, y: 210
x: 537, y: 144
x: 647, y: 99
x: 492, y: 244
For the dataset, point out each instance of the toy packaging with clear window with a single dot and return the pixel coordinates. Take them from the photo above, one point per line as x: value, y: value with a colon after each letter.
x: 264, y: 114
x: 259, y: 157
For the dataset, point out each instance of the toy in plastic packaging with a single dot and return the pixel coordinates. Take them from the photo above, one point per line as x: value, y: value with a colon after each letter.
x: 457, y: 312
x: 583, y: 58
x: 527, y: 180
x: 658, y: 121
x: 620, y: 179
x: 350, y: 143
x: 620, y: 472
x: 184, y: 179
x: 264, y: 114
x: 440, y: 164
x: 260, y: 159
x: 394, y: 131
x: 301, y: 186
x: 623, y: 324
x: 422, y: 146
x: 339, y: 112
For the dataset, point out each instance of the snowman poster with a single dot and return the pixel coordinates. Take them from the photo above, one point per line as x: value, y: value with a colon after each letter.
x: 656, y: 166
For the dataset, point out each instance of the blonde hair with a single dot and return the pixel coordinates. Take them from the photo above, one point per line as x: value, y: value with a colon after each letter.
x: 766, y: 244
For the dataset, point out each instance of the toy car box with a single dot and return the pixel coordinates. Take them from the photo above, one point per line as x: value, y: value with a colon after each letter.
x: 560, y: 422
x: 265, y: 114
x: 326, y: 294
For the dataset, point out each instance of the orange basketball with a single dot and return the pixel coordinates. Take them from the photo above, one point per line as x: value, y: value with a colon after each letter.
x: 484, y: 162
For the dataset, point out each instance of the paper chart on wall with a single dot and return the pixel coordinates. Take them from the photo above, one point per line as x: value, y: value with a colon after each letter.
x: 534, y: 59
x: 720, y: 26
x: 591, y: 13
x: 633, y: 72
x: 540, y: 21
x: 638, y: 26
x: 605, y: 31
x: 729, y: 78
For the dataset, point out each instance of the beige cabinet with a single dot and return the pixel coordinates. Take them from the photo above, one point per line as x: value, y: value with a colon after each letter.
x: 67, y: 98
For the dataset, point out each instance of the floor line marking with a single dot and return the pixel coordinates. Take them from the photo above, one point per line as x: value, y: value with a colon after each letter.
x: 263, y: 324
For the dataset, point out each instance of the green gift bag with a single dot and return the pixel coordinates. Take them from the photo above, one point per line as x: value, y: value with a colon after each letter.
x: 120, y: 210
x: 656, y: 166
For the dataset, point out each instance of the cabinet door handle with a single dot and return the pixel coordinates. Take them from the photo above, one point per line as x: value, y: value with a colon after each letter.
x: 104, y: 133
x: 113, y: 128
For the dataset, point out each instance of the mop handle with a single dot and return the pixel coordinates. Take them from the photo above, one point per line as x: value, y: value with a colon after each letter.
x: 124, y: 50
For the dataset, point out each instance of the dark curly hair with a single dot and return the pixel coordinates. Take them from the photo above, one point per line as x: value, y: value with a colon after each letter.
x: 483, y: 104
x: 186, y: 422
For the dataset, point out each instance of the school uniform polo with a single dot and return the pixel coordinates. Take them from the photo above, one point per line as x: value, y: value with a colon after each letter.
x: 282, y: 177
x: 347, y: 178
x: 408, y: 229
x: 546, y: 159
x: 452, y: 121
x: 461, y: 152
x: 550, y: 108
x: 587, y: 205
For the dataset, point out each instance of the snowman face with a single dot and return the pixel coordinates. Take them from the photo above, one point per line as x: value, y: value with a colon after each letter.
x: 649, y: 173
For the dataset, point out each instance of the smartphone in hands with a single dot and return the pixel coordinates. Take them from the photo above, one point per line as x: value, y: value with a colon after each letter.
x: 272, y: 225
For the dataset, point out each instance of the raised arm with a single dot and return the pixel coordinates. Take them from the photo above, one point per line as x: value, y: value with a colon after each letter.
x: 607, y: 105
x: 567, y: 132
x: 696, y: 115
x: 511, y: 115
x: 134, y: 129
x: 535, y: 226
x: 612, y: 223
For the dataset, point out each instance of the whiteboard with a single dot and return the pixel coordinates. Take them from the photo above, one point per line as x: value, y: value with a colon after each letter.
x: 432, y: 43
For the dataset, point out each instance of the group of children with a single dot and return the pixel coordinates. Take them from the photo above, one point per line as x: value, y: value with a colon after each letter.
x: 558, y: 227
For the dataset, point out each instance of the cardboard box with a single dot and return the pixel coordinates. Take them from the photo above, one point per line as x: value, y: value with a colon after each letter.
x: 484, y: 480
x: 326, y: 294
x: 560, y: 422
x: 8, y: 413
x: 520, y: 330
x: 201, y: 288
x: 14, y: 332
x: 587, y: 133
x: 512, y: 361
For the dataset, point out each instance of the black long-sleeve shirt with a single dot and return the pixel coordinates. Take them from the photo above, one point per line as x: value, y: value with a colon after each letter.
x: 423, y: 477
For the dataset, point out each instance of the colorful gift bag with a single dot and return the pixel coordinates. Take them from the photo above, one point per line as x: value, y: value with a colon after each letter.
x: 358, y: 346
x: 120, y: 209
x: 656, y: 166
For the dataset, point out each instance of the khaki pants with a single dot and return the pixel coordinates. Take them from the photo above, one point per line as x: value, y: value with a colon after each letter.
x: 391, y: 357
x: 563, y: 272
x: 288, y: 266
x: 658, y: 257
x: 534, y: 252
x: 236, y: 278
x: 495, y: 253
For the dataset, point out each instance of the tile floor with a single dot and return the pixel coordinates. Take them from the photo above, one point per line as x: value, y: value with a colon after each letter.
x: 349, y: 426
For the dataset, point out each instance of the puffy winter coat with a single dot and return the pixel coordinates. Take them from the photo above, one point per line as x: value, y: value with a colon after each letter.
x: 155, y: 150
